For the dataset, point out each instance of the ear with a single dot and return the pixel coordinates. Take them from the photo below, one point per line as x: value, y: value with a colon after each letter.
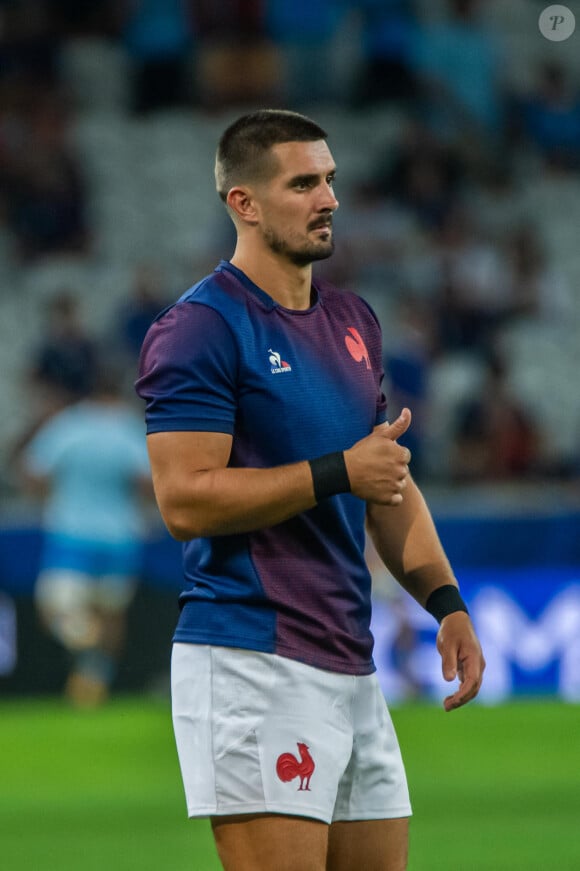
x: 241, y: 201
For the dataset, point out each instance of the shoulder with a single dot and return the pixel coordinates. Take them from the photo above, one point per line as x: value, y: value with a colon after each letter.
x: 190, y: 345
x: 64, y: 420
x: 186, y: 326
x: 53, y: 436
x: 211, y: 290
x: 345, y: 302
x: 213, y: 306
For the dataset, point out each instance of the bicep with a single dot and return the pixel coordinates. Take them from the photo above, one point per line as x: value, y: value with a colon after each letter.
x: 178, y: 463
x: 176, y: 457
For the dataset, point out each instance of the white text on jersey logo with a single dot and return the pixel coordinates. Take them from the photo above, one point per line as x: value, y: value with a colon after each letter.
x: 277, y: 364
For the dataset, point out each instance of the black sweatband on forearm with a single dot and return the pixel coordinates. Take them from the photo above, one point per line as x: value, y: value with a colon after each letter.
x: 329, y: 475
x: 445, y: 600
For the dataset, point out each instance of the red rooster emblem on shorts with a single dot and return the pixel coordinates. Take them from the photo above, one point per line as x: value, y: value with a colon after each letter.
x: 288, y: 767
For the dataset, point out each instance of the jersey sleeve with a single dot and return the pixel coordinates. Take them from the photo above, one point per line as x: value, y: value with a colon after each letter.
x: 44, y: 451
x: 187, y: 371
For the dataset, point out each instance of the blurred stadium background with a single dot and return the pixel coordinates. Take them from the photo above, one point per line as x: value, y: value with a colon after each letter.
x: 456, y: 129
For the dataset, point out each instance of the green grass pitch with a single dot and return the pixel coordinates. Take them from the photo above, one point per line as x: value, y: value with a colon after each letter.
x: 492, y: 788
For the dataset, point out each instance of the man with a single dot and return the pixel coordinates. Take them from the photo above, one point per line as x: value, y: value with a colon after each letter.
x: 269, y: 446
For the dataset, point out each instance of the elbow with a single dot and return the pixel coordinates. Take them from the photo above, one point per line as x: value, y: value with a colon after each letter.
x: 186, y: 525
x: 182, y: 528
x: 180, y: 533
x: 188, y: 514
x: 181, y: 515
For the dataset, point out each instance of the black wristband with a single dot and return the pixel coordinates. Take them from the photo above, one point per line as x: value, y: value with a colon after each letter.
x: 329, y: 475
x: 445, y: 600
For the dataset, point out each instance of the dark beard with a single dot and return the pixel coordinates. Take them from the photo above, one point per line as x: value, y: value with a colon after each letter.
x: 306, y: 255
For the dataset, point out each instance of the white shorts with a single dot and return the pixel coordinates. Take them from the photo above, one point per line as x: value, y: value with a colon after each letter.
x: 68, y: 589
x: 260, y: 733
x: 67, y: 599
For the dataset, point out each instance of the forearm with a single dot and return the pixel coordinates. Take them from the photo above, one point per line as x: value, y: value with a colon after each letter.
x: 225, y: 501
x: 407, y: 542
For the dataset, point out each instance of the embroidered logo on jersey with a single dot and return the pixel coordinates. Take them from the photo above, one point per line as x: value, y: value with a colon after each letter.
x: 288, y: 767
x: 277, y: 364
x: 356, y: 347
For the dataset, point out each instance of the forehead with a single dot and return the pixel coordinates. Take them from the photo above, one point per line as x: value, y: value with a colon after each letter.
x: 302, y: 158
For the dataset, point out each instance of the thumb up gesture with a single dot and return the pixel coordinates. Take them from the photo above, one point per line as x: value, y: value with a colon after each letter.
x: 377, y: 466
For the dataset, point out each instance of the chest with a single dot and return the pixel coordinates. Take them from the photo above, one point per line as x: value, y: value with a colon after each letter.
x: 306, y: 386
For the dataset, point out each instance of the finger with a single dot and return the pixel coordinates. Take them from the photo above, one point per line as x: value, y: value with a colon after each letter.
x: 471, y: 676
x: 401, y: 425
x: 451, y: 703
x: 400, y: 485
x: 449, y: 665
x: 465, y: 693
x: 404, y: 470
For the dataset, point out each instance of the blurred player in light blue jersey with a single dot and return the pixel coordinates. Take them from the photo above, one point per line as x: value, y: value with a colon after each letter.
x: 90, y: 463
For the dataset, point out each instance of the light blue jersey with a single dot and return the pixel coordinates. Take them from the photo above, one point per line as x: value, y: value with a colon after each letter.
x: 93, y: 454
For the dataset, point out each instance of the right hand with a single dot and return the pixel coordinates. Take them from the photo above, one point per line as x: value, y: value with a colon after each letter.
x: 377, y: 466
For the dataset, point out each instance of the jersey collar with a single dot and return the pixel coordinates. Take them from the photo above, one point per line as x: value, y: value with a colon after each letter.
x: 263, y: 297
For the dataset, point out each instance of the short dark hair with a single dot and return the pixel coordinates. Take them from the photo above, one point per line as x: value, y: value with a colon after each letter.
x: 242, y: 153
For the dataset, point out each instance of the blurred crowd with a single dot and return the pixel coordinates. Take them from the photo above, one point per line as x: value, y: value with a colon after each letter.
x: 435, y: 232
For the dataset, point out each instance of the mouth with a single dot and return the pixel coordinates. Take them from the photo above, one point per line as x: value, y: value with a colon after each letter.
x: 322, y: 227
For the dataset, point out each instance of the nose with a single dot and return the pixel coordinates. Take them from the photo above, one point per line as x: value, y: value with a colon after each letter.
x: 328, y: 202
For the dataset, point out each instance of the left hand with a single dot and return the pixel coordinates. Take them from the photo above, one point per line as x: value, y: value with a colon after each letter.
x: 461, y: 657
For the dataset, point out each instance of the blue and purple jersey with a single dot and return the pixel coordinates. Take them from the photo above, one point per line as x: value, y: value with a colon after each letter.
x: 288, y: 386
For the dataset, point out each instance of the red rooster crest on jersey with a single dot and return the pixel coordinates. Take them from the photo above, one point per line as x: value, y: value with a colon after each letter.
x: 288, y: 767
x: 356, y: 347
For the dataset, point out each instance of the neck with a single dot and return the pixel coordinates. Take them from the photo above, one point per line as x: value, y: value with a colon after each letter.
x: 288, y: 284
